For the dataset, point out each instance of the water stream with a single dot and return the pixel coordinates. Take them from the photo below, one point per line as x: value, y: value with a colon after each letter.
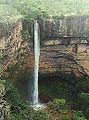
x: 36, y: 63
x: 35, y: 100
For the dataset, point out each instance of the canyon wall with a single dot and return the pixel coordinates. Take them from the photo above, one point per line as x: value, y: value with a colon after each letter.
x: 67, y: 26
x: 19, y: 55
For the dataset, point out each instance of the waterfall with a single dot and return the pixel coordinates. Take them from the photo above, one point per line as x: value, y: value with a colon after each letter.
x: 36, y: 64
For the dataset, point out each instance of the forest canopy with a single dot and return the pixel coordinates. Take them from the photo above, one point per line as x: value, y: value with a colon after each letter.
x: 15, y: 9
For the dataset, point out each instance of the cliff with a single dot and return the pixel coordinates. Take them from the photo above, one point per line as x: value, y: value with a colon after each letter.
x: 67, y: 26
x: 54, y: 60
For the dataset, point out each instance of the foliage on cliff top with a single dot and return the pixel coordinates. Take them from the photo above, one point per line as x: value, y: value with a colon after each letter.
x: 13, y: 9
x: 8, y: 13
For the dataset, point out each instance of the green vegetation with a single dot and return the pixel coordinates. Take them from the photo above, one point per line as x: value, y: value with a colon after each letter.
x: 8, y: 14
x: 83, y: 86
x: 19, y: 109
x: 57, y: 104
x: 15, y: 107
x: 12, y: 10
x: 59, y: 88
x: 78, y: 116
x: 84, y: 102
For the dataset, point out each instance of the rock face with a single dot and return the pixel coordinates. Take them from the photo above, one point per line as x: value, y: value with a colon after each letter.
x: 54, y: 59
x: 67, y: 26
x: 14, y: 49
x: 57, y: 60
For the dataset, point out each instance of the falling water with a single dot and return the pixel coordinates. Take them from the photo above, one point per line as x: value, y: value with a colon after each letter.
x: 36, y: 64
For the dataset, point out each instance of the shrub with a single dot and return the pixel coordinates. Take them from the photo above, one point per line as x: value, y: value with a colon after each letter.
x: 57, y: 104
x: 64, y: 111
x: 20, y: 109
x: 85, y: 97
x: 86, y: 113
x: 84, y: 101
x: 4, y: 105
x: 41, y: 115
x: 2, y: 88
x: 13, y: 96
x: 35, y: 115
x: 15, y: 116
x: 63, y: 118
x: 83, y: 86
x: 78, y: 115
